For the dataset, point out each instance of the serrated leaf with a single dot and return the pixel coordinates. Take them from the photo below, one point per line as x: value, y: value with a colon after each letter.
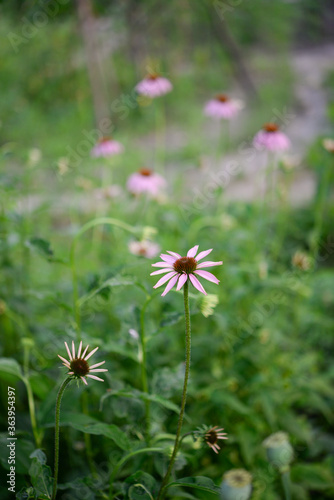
x: 198, y: 482
x: 40, y: 474
x: 11, y: 366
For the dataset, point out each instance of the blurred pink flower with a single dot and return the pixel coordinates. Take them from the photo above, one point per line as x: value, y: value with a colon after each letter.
x: 271, y: 138
x: 222, y: 107
x: 154, y: 85
x: 107, y: 146
x: 146, y: 181
x: 144, y: 248
x: 183, y: 268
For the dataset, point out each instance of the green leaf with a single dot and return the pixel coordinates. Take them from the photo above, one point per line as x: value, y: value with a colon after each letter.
x: 170, y: 319
x: 313, y: 476
x: 40, y: 475
x: 143, y: 486
x: 135, y: 394
x: 92, y: 426
x: 23, y: 448
x: 42, y: 246
x: 11, y: 366
x: 111, y: 282
x: 119, y: 349
x: 198, y: 482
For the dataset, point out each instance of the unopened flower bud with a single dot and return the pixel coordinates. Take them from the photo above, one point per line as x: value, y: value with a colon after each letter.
x: 279, y: 450
x: 236, y: 485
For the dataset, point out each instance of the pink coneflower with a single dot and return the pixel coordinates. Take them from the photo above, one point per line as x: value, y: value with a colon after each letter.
x: 78, y: 365
x: 146, y: 181
x: 183, y: 268
x: 271, y: 138
x: 154, y: 85
x: 107, y: 146
x: 222, y: 107
x: 144, y: 248
x: 212, y: 436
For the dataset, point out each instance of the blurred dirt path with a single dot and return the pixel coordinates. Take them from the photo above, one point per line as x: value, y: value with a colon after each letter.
x: 241, y: 173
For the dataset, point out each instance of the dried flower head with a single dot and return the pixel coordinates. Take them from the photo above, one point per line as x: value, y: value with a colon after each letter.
x: 182, y: 269
x: 279, y: 450
x: 301, y: 260
x: 154, y: 85
x: 271, y: 138
x: 212, y: 436
x: 236, y: 485
x: 78, y: 364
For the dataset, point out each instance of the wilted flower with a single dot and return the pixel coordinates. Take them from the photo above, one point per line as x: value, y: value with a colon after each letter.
x: 144, y: 248
x: 271, y: 138
x: 183, y: 268
x: 301, y: 260
x: 212, y: 435
x: 222, y: 107
x: 279, y: 449
x: 236, y: 485
x: 328, y: 144
x: 154, y: 85
x: 105, y: 147
x: 78, y: 365
x: 146, y: 181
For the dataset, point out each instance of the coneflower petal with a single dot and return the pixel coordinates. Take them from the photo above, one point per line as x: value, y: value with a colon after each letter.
x: 91, y: 353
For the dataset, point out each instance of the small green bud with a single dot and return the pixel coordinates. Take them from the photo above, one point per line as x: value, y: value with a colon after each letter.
x: 236, y: 485
x: 279, y: 450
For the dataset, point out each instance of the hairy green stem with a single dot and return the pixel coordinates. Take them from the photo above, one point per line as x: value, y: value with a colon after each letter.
x: 56, y: 459
x: 143, y: 362
x: 164, y: 484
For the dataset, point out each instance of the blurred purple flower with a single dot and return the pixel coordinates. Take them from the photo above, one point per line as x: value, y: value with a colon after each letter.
x: 222, y: 107
x: 107, y: 146
x: 146, y: 181
x: 271, y: 138
x: 154, y: 85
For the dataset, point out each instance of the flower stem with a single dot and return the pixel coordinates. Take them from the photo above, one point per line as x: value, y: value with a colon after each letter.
x: 163, y: 488
x: 285, y: 476
x: 144, y: 365
x: 56, y: 460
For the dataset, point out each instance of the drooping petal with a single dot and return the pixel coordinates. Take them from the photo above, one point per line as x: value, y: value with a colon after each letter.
x: 84, y: 380
x: 163, y: 264
x: 208, y: 263
x: 68, y: 351
x: 197, y: 284
x: 65, y: 361
x: 174, y: 254
x: 201, y: 255
x: 80, y: 347
x: 208, y: 276
x: 160, y: 271
x: 167, y: 258
x: 170, y: 285
x: 95, y: 378
x: 91, y: 353
x: 96, y: 365
x: 193, y: 251
x: 164, y: 279
x: 183, y: 278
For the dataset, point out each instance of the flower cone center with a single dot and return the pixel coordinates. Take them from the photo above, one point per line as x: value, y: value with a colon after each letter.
x: 211, y: 437
x: 185, y: 265
x: 80, y: 367
x: 105, y: 139
x: 270, y: 127
x: 222, y: 98
x: 153, y: 76
x: 146, y: 172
